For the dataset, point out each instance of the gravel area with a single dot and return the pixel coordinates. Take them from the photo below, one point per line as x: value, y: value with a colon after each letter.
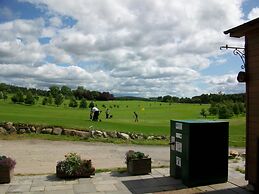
x: 40, y: 156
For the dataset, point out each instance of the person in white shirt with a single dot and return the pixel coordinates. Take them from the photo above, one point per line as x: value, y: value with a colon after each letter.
x: 96, y: 113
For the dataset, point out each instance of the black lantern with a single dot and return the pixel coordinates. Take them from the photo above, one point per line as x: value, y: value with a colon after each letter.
x: 241, y: 77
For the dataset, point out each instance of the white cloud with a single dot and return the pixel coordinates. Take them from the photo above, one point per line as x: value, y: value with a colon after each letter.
x: 222, y: 80
x: 49, y: 74
x: 55, y: 21
x: 144, y: 48
x: 225, y: 83
x: 19, y: 42
x: 254, y: 13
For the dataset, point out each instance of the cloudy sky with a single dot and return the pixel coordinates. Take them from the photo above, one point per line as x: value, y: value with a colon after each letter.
x: 127, y: 47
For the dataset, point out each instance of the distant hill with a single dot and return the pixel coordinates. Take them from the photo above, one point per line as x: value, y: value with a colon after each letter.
x: 131, y: 98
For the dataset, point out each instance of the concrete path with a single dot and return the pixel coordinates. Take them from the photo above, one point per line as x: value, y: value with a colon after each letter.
x: 115, y: 183
x: 41, y: 156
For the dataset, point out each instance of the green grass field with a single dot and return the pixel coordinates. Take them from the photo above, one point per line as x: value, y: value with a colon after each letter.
x: 154, y: 117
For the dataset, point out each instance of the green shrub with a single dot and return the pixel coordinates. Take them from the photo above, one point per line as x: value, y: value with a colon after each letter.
x: 83, y: 103
x: 225, y: 112
x: 131, y: 155
x: 29, y: 99
x: 73, y: 165
x: 213, y: 109
x: 73, y: 102
x: 203, y: 113
x: 59, y: 99
x: 18, y: 97
x: 44, y: 101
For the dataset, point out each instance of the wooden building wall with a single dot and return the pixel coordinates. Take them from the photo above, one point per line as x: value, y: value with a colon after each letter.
x: 252, y: 89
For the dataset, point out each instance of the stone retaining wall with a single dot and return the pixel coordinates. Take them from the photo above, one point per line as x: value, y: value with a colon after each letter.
x: 21, y: 128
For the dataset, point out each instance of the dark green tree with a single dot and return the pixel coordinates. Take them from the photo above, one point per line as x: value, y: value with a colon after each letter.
x: 29, y: 99
x: 225, y: 112
x: 83, y: 103
x: 59, y: 99
x: 18, y: 97
x: 50, y: 100
x: 167, y: 98
x: 54, y: 90
x: 36, y: 97
x: 213, y: 109
x: 236, y: 110
x: 91, y: 105
x: 203, y: 113
x: 79, y: 92
x: 66, y: 91
x: 1, y: 95
x: 241, y: 107
x: 45, y: 101
x: 5, y: 95
x: 73, y: 102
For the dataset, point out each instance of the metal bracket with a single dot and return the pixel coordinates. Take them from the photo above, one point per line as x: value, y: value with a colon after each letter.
x: 240, y: 51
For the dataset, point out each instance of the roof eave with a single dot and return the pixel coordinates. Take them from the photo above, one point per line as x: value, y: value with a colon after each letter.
x: 242, y: 29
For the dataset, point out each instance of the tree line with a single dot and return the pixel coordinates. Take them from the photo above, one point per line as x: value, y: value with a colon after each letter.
x: 204, y: 98
x: 54, y: 94
x: 224, y: 110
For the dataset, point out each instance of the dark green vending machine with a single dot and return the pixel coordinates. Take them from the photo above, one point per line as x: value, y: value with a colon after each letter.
x: 199, y: 152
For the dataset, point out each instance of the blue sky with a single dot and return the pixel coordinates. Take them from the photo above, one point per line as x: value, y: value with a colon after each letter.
x: 141, y: 48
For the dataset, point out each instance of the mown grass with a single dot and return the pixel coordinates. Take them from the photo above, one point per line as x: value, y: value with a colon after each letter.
x: 154, y: 117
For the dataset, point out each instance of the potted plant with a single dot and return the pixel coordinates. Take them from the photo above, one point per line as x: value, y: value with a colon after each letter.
x: 138, y: 163
x: 7, y: 165
x: 74, y: 167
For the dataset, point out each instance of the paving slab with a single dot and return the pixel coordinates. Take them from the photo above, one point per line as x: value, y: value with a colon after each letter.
x: 37, y: 156
x: 86, y: 187
x: 19, y: 188
x: 117, y: 184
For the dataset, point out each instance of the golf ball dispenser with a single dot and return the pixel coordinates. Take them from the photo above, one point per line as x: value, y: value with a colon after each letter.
x: 199, y: 152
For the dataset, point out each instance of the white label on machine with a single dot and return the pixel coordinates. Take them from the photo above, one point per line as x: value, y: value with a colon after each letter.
x: 178, y: 161
x: 179, y: 126
x: 178, y: 146
x: 172, y: 142
x: 179, y: 135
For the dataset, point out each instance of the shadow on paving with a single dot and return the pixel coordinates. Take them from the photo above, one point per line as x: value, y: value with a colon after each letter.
x: 152, y: 185
x: 168, y: 185
x: 53, y: 178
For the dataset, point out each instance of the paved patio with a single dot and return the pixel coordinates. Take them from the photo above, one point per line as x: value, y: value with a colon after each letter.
x: 158, y: 181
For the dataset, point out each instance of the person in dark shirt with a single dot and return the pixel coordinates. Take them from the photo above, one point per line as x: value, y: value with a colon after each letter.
x: 136, y: 117
x: 107, y: 112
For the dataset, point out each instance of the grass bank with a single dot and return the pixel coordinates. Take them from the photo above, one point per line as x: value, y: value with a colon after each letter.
x: 154, y: 117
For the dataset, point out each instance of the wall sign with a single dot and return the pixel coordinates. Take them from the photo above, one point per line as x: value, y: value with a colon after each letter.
x: 179, y: 126
x: 178, y: 161
x: 179, y: 135
x: 178, y: 146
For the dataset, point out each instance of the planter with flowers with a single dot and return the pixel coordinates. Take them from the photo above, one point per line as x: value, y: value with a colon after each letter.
x: 138, y: 163
x: 74, y: 167
x: 7, y: 165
